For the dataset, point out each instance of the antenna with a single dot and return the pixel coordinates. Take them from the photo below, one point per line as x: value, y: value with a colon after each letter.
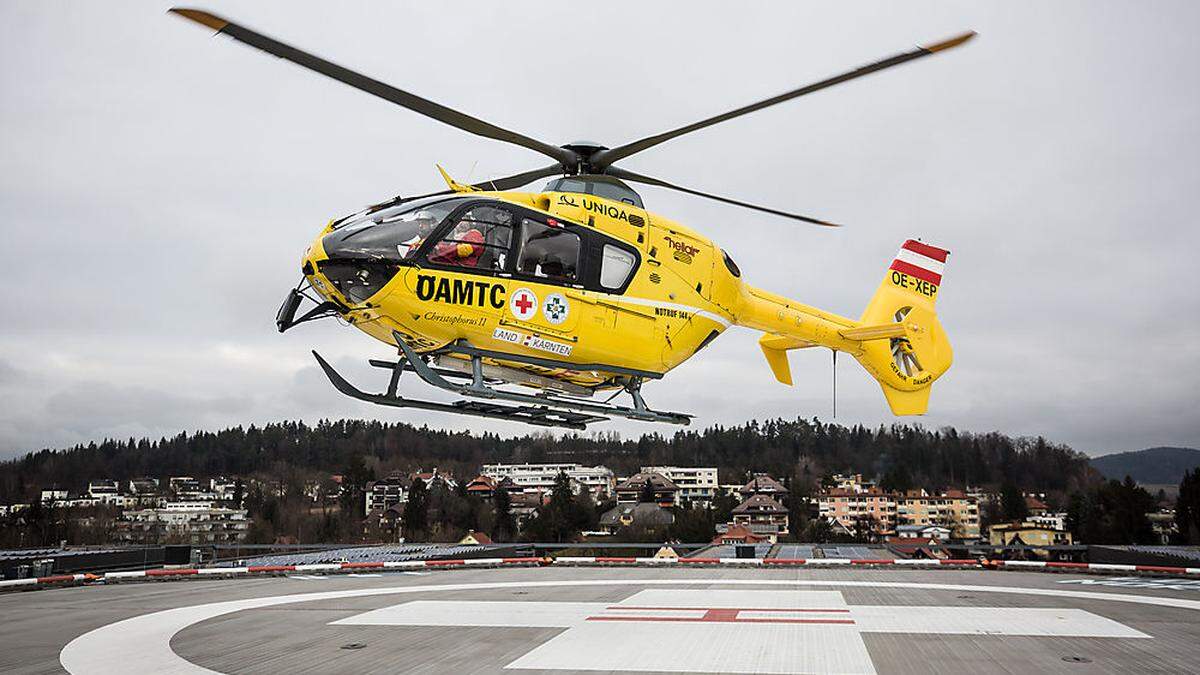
x: 835, y: 383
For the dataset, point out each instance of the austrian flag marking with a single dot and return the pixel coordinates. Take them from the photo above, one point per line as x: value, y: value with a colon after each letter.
x: 922, y: 261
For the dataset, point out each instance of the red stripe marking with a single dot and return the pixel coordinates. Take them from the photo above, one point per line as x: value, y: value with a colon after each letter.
x: 443, y: 563
x: 1067, y: 564
x: 872, y: 561
x: 938, y: 254
x: 272, y: 568
x: 169, y: 573
x: 715, y: 616
x: 616, y: 560
x: 734, y: 609
x: 512, y: 561
x: 1159, y: 568
x: 918, y: 272
x: 361, y: 565
x: 784, y: 561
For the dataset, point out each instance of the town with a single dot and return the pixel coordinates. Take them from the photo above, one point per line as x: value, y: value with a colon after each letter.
x: 554, y: 502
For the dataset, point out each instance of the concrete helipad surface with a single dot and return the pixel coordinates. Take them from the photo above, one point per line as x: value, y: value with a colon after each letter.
x: 558, y: 620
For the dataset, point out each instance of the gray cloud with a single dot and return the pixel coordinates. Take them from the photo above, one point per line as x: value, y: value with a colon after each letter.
x: 159, y: 185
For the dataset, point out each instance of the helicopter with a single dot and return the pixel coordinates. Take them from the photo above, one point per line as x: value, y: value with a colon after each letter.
x: 544, y: 307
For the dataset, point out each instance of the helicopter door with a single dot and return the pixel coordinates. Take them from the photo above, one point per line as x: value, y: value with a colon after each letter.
x: 544, y: 295
x: 461, y: 285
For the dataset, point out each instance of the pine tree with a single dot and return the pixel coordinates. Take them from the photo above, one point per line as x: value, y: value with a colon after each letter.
x: 416, y: 512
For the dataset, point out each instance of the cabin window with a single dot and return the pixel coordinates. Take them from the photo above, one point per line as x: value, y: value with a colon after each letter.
x: 616, y: 266
x: 479, y: 239
x: 548, y: 251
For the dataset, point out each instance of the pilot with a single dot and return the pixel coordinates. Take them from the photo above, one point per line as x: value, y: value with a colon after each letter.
x: 462, y: 248
x: 425, y: 222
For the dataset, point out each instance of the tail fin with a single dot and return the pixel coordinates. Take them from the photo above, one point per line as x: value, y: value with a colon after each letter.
x: 904, y: 346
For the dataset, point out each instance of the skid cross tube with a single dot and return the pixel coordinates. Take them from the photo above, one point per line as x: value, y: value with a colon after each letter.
x: 542, y: 409
x: 640, y: 411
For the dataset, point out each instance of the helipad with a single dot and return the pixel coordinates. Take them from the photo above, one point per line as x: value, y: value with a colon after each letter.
x: 558, y: 620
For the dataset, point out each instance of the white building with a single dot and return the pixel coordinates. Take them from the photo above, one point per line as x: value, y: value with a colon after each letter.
x: 103, y: 487
x: 695, y: 484
x: 1053, y: 521
x: 186, y: 522
x: 382, y: 494
x: 599, y: 480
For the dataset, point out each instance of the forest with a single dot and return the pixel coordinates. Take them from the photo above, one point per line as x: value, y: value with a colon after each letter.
x: 903, y: 455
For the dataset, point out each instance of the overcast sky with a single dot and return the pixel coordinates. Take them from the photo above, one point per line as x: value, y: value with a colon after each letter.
x: 158, y: 185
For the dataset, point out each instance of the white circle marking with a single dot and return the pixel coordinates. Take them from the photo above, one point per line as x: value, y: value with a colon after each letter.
x: 143, y: 643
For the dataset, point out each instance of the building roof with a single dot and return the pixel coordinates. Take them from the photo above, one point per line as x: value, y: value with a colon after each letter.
x: 642, y: 513
x: 760, y: 504
x: 740, y: 533
x: 1034, y: 504
x: 482, y: 484
x: 474, y: 537
x: 761, y: 482
x: 637, y: 480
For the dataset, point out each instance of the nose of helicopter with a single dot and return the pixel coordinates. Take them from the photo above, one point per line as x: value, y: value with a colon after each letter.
x: 348, y: 269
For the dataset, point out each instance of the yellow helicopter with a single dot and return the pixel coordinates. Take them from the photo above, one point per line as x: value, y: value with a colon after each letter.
x: 577, y: 293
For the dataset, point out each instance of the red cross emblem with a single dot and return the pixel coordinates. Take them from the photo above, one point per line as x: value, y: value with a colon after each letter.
x: 524, y: 303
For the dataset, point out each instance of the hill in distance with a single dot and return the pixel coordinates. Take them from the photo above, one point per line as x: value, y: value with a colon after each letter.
x: 1149, y: 466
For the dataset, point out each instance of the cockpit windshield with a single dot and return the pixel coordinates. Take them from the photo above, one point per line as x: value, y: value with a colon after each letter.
x: 392, y: 233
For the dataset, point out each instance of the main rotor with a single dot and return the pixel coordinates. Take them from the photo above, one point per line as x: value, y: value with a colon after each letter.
x: 578, y: 157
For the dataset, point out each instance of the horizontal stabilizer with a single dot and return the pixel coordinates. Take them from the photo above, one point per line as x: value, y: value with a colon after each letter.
x: 879, y: 332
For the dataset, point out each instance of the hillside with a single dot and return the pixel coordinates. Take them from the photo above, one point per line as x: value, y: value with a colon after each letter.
x: 1149, y: 466
x: 905, y: 456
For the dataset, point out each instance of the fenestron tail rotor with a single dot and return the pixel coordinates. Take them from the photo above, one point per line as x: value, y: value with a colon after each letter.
x: 577, y: 158
x: 902, y: 352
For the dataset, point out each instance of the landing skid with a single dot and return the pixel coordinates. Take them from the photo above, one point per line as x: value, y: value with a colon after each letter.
x: 544, y: 409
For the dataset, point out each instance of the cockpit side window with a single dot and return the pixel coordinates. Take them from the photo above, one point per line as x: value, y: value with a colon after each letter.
x: 548, y: 251
x: 615, y: 267
x: 480, y: 239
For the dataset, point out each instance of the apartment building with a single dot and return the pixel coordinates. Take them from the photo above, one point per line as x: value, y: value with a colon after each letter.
x: 694, y: 484
x: 183, y: 522
x: 599, y: 480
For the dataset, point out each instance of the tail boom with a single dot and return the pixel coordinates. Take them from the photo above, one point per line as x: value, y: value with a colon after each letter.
x: 898, y: 339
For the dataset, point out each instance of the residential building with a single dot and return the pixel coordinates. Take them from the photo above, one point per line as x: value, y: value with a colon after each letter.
x: 762, y: 515
x: 739, y: 534
x: 53, y: 495
x: 1025, y: 533
x: 872, y: 509
x: 927, y: 532
x: 631, y: 490
x: 482, y: 487
x: 184, y: 522
x: 474, y: 538
x: 103, y: 487
x: 386, y: 493
x: 540, y: 477
x: 952, y: 509
x: 763, y: 484
x: 429, y: 478
x: 1054, y: 521
x: 143, y: 487
x: 1035, y: 505
x: 697, y: 485
x: 852, y: 483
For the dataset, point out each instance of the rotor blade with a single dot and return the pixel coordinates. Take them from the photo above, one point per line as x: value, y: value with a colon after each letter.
x: 516, y: 181
x: 389, y: 93
x: 638, y: 178
x: 603, y: 158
